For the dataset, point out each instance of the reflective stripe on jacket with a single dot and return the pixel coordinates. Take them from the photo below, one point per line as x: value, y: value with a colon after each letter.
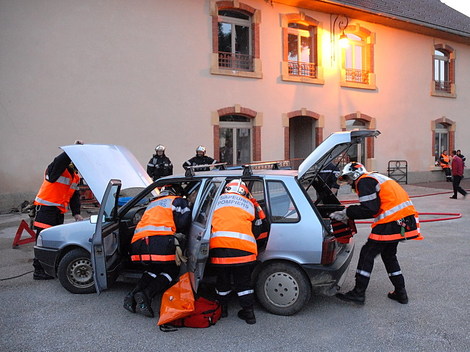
x: 58, y: 193
x: 232, y: 240
x: 395, y: 205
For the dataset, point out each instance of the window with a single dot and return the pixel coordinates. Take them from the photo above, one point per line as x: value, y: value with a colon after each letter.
x: 443, y: 71
x: 235, y: 28
x: 363, y: 153
x: 301, y: 58
x: 235, y: 139
x: 357, y: 59
x: 443, y: 136
x: 281, y: 203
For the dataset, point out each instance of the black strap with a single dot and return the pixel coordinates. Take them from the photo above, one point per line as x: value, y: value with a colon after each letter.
x: 168, y: 328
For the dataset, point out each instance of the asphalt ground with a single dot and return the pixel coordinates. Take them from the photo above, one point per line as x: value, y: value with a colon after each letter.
x: 43, y: 316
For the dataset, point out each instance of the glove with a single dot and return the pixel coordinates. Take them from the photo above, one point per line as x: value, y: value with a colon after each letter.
x: 339, y: 215
x: 179, y: 257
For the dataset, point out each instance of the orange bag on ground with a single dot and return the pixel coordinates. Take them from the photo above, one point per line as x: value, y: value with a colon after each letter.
x: 177, y: 301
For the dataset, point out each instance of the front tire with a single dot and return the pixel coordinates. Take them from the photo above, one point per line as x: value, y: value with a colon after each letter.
x: 282, y: 288
x: 75, y: 272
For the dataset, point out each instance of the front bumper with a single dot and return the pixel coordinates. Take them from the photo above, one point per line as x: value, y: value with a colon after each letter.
x: 48, y: 259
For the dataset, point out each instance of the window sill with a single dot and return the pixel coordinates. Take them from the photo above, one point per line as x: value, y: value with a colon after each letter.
x: 358, y: 85
x: 443, y: 94
x: 302, y: 79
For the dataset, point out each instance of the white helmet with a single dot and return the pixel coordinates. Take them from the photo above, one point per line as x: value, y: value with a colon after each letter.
x: 160, y: 148
x: 201, y: 148
x: 236, y: 186
x: 352, y: 171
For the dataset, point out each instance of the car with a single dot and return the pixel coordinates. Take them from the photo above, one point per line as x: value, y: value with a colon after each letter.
x: 300, y: 257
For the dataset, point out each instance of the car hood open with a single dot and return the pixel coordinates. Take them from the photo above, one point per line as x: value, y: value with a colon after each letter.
x: 333, y: 146
x: 99, y: 163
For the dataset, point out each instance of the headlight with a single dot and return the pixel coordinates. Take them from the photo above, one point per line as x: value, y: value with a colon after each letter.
x: 39, y: 241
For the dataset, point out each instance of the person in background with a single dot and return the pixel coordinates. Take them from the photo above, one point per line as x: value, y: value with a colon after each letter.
x: 59, y: 190
x: 445, y: 161
x: 329, y: 175
x: 457, y: 175
x: 159, y: 165
x: 461, y: 156
x: 199, y: 159
x: 395, y: 220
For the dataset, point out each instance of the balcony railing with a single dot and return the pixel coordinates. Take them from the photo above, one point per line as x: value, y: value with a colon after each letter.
x: 443, y: 86
x: 302, y: 69
x: 235, y: 61
x: 357, y: 76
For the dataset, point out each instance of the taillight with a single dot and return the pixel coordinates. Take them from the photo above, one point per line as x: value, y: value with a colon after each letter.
x: 328, y: 255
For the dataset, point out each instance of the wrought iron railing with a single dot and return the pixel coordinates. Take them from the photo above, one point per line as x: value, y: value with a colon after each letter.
x: 235, y: 61
x: 443, y: 86
x: 357, y: 76
x: 302, y: 69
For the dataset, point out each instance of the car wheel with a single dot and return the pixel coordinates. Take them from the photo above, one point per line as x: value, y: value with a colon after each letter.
x: 75, y: 272
x: 282, y: 288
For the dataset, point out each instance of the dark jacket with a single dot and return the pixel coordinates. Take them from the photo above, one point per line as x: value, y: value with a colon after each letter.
x: 159, y: 166
x: 199, y: 160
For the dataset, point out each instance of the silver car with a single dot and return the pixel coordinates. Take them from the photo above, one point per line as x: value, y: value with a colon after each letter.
x: 300, y: 257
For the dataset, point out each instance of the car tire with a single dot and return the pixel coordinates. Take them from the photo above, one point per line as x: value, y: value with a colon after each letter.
x: 75, y: 272
x: 282, y: 288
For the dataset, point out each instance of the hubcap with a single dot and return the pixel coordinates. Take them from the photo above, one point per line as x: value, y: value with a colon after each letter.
x: 281, y: 289
x: 80, y: 273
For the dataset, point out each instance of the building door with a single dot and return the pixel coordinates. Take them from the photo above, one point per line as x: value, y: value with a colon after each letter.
x: 301, y: 138
x: 357, y: 152
x: 235, y: 138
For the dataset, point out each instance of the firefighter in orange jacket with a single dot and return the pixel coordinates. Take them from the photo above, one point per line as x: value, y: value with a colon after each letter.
x: 233, y: 249
x: 58, y: 191
x: 156, y: 243
x: 396, y: 220
x: 445, y: 161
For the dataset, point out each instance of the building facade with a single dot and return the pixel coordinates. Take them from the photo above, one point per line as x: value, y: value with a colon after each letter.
x: 252, y: 80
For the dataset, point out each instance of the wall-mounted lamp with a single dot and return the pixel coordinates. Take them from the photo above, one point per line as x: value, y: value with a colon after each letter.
x: 339, y: 22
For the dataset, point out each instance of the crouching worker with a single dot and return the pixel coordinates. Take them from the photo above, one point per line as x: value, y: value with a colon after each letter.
x: 396, y: 219
x: 233, y: 248
x: 156, y: 243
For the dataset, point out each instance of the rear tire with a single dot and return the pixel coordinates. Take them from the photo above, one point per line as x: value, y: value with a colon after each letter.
x: 75, y: 272
x: 283, y: 288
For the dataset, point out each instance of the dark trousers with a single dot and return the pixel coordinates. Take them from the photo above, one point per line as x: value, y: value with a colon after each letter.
x: 241, y: 275
x: 456, y: 186
x: 448, y: 174
x: 388, y: 252
x: 157, y: 279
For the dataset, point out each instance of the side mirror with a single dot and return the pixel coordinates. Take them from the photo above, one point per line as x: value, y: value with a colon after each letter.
x: 94, y: 219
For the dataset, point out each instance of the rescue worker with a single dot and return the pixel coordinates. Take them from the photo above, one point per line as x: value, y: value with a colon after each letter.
x: 59, y: 189
x: 233, y: 249
x: 199, y: 159
x: 159, y: 165
x: 156, y: 243
x: 396, y: 220
x: 445, y: 162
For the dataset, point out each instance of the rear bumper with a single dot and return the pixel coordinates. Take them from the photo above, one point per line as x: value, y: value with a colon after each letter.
x: 48, y: 258
x: 327, y: 280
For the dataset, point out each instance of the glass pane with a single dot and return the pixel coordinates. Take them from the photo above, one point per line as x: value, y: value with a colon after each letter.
x: 437, y: 146
x: 353, y: 37
x: 298, y: 26
x: 438, y: 53
x: 226, y: 145
x: 358, y: 58
x: 234, y: 14
x: 225, y: 37
x: 282, y: 206
x: 293, y: 47
x: 235, y: 118
x: 243, y: 145
x: 242, y: 40
x: 349, y: 57
x: 305, y: 49
x: 203, y: 213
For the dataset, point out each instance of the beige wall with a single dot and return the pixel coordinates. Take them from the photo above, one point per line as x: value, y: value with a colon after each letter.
x: 137, y: 73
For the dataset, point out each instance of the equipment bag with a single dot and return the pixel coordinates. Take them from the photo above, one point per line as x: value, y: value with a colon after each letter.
x: 343, y: 232
x: 206, y: 313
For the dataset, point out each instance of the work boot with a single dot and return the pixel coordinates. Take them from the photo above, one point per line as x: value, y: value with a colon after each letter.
x: 129, y: 302
x: 224, y: 311
x: 354, y: 296
x: 248, y: 315
x: 143, y: 305
x: 401, y: 297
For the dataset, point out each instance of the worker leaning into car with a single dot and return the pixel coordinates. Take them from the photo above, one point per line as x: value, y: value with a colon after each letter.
x: 233, y: 248
x: 396, y: 219
x: 156, y: 243
x: 59, y: 190
x: 199, y: 159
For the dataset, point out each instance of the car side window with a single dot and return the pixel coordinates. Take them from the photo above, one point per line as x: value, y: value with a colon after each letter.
x: 203, y: 213
x: 281, y: 203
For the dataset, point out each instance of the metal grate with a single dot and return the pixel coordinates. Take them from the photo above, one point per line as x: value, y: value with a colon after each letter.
x: 357, y: 76
x: 443, y: 86
x: 235, y: 61
x: 302, y: 69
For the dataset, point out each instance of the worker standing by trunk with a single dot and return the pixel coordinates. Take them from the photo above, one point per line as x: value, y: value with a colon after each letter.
x: 396, y: 220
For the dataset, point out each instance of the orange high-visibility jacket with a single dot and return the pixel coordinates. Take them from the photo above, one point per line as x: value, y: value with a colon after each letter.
x: 232, y: 240
x: 58, y: 193
x: 395, y: 204
x: 445, y: 158
x: 157, y: 221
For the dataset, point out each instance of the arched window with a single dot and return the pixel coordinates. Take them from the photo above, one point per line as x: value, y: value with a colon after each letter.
x: 443, y: 83
x: 443, y: 132
x: 235, y: 139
